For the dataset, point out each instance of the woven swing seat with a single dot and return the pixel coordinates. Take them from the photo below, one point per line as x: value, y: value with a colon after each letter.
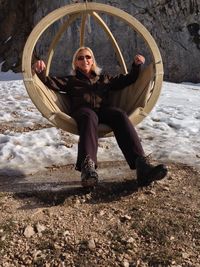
x: 137, y: 100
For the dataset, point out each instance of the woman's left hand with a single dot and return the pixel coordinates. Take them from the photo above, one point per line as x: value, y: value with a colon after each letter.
x: 139, y: 59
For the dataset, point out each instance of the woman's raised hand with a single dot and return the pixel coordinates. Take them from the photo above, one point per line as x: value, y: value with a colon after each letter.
x: 139, y: 59
x: 39, y: 66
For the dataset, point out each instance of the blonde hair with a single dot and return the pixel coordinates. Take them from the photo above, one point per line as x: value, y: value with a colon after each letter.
x: 94, y: 67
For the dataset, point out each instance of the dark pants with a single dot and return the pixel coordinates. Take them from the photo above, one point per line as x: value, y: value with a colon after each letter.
x: 125, y: 134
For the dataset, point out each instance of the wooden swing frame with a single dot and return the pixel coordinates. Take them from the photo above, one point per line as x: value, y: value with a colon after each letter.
x: 52, y: 106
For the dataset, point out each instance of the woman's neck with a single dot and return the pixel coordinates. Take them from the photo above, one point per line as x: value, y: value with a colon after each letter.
x: 88, y: 74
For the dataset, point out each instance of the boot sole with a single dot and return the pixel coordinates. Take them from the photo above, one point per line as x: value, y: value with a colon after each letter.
x: 90, y: 182
x: 153, y: 177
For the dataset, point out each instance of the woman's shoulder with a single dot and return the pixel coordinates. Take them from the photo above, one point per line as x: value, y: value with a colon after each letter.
x: 65, y: 77
x: 104, y: 77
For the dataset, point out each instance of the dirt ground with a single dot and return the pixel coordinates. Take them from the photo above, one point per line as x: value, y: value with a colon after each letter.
x: 47, y: 219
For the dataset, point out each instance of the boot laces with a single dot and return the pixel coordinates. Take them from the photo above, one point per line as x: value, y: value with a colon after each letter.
x: 88, y: 163
x: 147, y: 159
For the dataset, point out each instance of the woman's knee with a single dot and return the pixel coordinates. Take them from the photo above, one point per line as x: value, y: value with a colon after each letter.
x: 86, y: 115
x: 119, y: 114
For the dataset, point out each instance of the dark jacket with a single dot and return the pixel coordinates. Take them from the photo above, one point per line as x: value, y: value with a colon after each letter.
x: 93, y: 92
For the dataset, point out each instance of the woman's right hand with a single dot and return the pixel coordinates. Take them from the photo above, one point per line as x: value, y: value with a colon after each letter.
x: 139, y: 59
x: 39, y: 66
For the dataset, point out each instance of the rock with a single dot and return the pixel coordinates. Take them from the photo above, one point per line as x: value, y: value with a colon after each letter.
x: 166, y: 188
x: 29, y: 231
x: 102, y: 212
x: 124, y: 218
x: 126, y: 263
x: 40, y: 228
x: 185, y: 255
x: 91, y: 244
x: 38, y: 255
x: 131, y: 240
x: 3, y: 238
x: 66, y: 233
x: 172, y: 238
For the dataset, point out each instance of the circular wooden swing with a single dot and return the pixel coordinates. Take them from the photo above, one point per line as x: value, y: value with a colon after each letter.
x: 137, y: 100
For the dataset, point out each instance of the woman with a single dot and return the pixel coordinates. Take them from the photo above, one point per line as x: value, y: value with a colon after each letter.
x: 88, y: 91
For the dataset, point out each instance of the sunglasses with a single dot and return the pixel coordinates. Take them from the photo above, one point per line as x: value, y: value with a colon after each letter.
x: 82, y: 57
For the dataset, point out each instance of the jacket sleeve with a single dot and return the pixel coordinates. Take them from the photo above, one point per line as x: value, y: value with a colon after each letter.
x: 123, y: 80
x: 54, y: 83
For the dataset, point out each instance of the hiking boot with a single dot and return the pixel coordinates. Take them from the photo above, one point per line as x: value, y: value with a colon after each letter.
x: 89, y: 176
x: 147, y: 173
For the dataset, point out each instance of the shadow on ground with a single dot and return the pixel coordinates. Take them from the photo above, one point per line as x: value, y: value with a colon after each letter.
x: 57, y: 184
x: 105, y: 192
x: 9, y: 177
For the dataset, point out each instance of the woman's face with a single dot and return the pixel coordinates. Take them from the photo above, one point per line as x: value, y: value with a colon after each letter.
x: 84, y: 61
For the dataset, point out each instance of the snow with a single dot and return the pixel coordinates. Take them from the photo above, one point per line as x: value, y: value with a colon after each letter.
x: 171, y: 132
x: 9, y: 75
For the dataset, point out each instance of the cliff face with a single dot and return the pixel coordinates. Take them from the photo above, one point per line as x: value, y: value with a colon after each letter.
x: 15, y: 25
x: 174, y: 24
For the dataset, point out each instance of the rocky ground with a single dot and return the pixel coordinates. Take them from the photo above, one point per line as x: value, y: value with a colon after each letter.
x: 116, y: 224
